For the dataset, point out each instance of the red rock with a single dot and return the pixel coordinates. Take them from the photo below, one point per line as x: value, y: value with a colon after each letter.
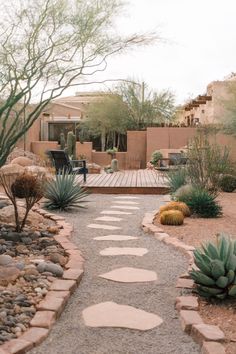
x: 73, y: 274
x: 204, y: 332
x: 36, y: 335
x: 185, y: 283
x: 17, y: 346
x: 43, y: 319
x: 62, y: 285
x: 50, y: 303
x: 188, y: 319
x: 8, y: 275
x: 212, y: 348
x: 3, y: 351
x: 59, y: 294
x: 187, y: 303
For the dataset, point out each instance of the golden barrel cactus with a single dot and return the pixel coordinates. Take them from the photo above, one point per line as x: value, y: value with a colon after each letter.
x: 176, y: 206
x: 172, y: 217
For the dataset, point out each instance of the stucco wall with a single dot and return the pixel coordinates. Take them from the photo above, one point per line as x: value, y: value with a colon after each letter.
x: 136, y: 149
x: 33, y: 134
x: 167, y: 138
x: 103, y: 159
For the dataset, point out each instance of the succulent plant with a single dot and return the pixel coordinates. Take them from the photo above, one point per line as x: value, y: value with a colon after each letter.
x: 176, y: 206
x: 114, y: 165
x: 64, y: 192
x: 228, y: 183
x: 216, y: 276
x: 172, y: 217
x: 62, y: 141
x: 71, y: 145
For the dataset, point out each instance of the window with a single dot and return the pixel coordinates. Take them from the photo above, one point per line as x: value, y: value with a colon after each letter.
x: 55, y: 129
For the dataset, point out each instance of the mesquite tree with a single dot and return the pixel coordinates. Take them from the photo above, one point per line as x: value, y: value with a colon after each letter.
x: 47, y: 46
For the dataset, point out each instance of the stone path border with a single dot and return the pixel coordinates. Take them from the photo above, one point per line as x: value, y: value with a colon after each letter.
x: 209, y: 337
x: 51, y: 306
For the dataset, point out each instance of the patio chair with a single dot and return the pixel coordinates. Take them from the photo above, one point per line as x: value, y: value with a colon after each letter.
x: 61, y: 161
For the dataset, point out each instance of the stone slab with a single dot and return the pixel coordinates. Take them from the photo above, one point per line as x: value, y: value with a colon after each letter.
x: 108, y: 218
x: 187, y: 303
x: 185, y: 283
x: 127, y: 207
x: 130, y: 275
x: 103, y: 227
x: 124, y: 251
x: 17, y: 346
x: 205, y: 332
x: 115, y: 212
x: 115, y: 238
x: 110, y: 314
x: 213, y: 348
x: 44, y: 319
x: 126, y: 197
x: 189, y: 318
x: 36, y: 335
x: 124, y: 202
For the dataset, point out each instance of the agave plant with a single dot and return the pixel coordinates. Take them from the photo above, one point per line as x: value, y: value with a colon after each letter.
x: 216, y: 277
x: 64, y: 192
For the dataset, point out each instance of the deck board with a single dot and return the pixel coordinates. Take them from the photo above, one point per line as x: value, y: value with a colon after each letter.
x: 132, y: 182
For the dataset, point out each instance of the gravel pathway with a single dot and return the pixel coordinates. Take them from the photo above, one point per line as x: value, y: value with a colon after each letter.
x: 71, y: 336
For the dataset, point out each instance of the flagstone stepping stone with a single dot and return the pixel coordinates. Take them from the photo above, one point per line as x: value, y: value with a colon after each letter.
x: 110, y: 314
x: 108, y: 218
x: 104, y: 227
x: 124, y: 207
x: 115, y: 238
x: 130, y: 275
x: 115, y: 212
x: 124, y: 202
x: 124, y: 251
x: 126, y: 197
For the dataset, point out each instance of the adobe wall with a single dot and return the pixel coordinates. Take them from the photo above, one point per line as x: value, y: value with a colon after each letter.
x: 136, y: 149
x: 167, y: 138
x: 33, y: 134
x: 226, y: 140
x: 103, y: 159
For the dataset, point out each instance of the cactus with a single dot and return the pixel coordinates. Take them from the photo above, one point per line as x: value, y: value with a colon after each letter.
x: 71, y: 145
x: 176, y: 206
x: 62, y: 141
x: 172, y: 217
x: 216, y: 276
x: 114, y: 165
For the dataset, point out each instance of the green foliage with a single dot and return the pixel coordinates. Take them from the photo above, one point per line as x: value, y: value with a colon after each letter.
x: 207, y: 162
x: 172, y: 217
x: 176, y: 179
x: 201, y: 202
x: 182, y: 192
x: 71, y: 145
x: 62, y: 141
x: 228, y: 183
x: 64, y: 192
x: 216, y: 276
x: 112, y: 151
x: 156, y: 156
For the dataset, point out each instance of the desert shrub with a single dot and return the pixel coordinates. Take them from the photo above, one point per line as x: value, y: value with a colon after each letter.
x: 182, y: 191
x: 201, y: 202
x: 228, y: 183
x: 176, y: 179
x: 176, y: 206
x: 156, y: 156
x: 64, y: 192
x: 172, y: 217
x: 207, y: 162
x: 27, y: 186
x: 216, y: 276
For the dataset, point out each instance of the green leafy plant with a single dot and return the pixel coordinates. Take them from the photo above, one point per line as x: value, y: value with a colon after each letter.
x: 176, y: 179
x: 202, y: 202
x: 64, y: 192
x: 228, y: 183
x: 172, y: 217
x: 156, y: 156
x: 216, y: 277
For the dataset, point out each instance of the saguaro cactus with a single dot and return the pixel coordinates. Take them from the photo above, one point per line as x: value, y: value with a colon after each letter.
x: 71, y: 145
x: 62, y: 141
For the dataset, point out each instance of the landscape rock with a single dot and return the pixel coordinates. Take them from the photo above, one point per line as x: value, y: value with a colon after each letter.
x: 55, y: 269
x: 5, y: 260
x: 7, y: 215
x: 22, y: 161
x: 8, y: 275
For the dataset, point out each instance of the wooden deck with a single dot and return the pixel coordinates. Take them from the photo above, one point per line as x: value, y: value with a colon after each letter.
x: 126, y: 182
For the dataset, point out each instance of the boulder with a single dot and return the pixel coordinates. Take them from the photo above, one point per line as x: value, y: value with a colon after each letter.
x: 5, y: 260
x: 8, y: 275
x: 12, y: 170
x: 22, y: 161
x: 36, y: 170
x: 7, y: 216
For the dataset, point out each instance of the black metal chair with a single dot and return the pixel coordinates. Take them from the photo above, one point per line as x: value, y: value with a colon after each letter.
x: 61, y: 162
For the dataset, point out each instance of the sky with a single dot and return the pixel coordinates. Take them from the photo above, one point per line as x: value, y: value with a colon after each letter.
x: 199, y: 45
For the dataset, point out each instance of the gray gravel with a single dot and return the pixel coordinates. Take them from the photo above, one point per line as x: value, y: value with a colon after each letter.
x: 71, y: 336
